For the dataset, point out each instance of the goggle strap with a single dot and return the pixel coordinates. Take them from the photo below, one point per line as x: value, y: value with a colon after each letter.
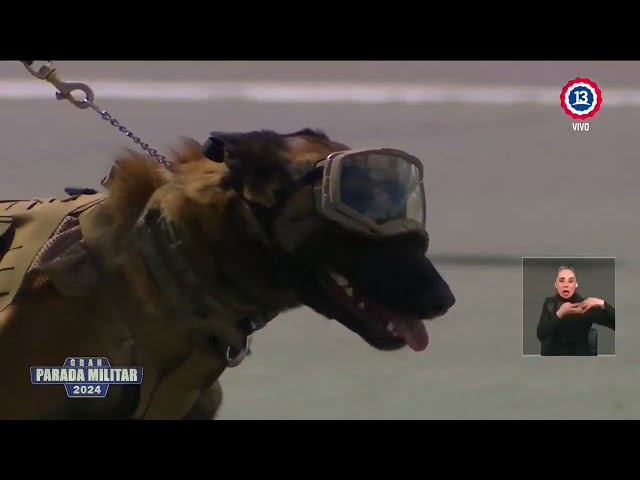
x: 309, y: 177
x: 266, y: 214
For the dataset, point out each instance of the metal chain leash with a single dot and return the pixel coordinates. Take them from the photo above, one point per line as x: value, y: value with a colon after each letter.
x: 48, y: 73
x: 114, y: 121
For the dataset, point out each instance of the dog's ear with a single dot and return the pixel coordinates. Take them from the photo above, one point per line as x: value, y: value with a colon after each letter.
x: 256, y: 170
x: 215, y: 149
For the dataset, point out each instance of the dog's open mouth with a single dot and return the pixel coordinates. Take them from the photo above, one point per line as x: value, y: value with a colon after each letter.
x: 375, y: 323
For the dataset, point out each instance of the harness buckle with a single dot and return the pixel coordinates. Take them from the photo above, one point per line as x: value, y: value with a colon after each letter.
x: 235, y: 357
x: 248, y: 326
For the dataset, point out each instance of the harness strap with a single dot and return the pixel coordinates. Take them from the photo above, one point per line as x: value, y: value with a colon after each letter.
x: 174, y: 395
x: 176, y: 373
x: 166, y: 261
x: 33, y: 222
x: 167, y: 267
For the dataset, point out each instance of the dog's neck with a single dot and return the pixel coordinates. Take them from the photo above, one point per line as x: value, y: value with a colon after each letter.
x: 174, y: 272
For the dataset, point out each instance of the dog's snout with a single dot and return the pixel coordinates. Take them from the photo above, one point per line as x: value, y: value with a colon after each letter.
x: 442, y: 301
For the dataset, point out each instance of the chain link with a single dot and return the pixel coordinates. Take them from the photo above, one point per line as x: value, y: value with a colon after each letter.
x: 113, y: 121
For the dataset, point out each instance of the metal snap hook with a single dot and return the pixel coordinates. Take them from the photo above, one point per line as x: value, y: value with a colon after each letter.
x: 43, y: 72
x: 48, y: 73
x: 67, y: 90
x: 235, y: 357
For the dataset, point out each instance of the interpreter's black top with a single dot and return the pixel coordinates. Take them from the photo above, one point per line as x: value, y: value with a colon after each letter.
x: 568, y: 336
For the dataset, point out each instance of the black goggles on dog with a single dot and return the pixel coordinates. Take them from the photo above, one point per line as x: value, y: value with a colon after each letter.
x: 377, y: 191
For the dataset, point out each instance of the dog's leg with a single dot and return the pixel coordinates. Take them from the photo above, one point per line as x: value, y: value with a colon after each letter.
x: 207, y: 405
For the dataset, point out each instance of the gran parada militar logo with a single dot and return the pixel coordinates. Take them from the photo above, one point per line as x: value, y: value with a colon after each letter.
x: 86, y: 377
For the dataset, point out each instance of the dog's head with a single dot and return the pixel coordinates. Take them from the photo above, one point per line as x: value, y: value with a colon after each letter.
x: 257, y: 207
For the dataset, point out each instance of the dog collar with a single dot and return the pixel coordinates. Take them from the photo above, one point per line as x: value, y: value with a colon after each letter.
x: 168, y: 266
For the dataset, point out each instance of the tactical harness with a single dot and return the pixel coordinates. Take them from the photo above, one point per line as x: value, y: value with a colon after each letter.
x: 27, y: 225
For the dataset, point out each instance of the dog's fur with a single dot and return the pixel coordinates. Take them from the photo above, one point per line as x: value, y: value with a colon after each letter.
x: 125, y: 318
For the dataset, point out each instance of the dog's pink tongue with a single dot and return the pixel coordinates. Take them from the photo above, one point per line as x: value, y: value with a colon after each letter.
x: 413, y: 331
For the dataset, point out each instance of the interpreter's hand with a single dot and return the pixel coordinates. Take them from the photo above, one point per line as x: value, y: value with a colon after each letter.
x: 590, y: 303
x: 568, y: 308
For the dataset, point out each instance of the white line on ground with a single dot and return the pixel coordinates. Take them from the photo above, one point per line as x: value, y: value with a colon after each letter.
x: 311, y: 92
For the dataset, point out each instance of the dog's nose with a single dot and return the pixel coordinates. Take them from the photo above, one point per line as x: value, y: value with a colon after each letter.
x: 442, y: 301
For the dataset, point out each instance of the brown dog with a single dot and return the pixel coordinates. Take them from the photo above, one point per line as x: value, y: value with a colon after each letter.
x: 172, y: 269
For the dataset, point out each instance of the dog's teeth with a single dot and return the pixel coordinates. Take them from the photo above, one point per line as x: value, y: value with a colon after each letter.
x: 349, y: 291
x: 340, y: 280
x: 391, y: 330
x: 361, y: 305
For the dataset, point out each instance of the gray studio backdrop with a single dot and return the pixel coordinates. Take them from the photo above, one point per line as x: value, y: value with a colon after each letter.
x: 595, y: 277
